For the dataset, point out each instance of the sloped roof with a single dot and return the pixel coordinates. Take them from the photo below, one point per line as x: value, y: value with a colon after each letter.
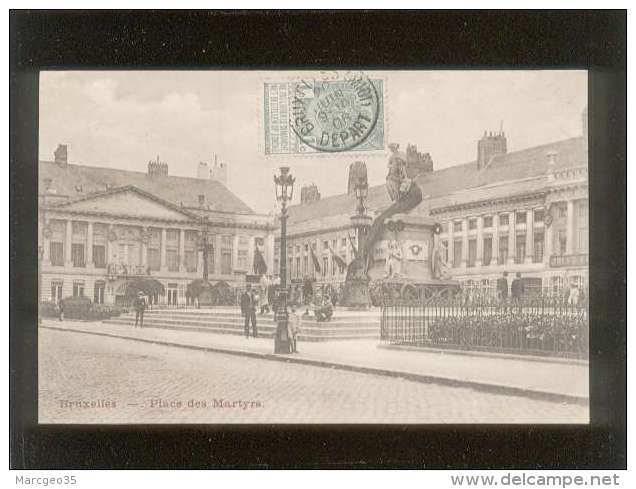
x: 463, y: 182
x: 68, y: 180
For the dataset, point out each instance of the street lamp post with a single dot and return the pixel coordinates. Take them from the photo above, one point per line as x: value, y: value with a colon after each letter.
x: 357, y: 287
x: 284, y: 193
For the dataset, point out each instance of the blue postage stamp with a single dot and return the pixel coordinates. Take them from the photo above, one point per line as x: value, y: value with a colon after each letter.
x: 308, y: 115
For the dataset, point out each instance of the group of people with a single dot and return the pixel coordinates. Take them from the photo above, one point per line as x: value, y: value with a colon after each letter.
x: 250, y: 303
x: 573, y: 295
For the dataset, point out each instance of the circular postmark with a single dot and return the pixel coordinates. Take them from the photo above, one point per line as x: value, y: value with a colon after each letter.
x: 336, y: 114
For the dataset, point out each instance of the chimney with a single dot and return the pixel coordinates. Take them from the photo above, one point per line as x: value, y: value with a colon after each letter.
x: 218, y: 171
x: 156, y: 168
x: 416, y: 162
x: 489, y: 146
x: 203, y: 171
x: 309, y: 194
x: 61, y: 155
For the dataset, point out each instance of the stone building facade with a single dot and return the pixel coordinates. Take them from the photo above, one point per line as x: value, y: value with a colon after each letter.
x: 101, y: 228
x: 518, y: 212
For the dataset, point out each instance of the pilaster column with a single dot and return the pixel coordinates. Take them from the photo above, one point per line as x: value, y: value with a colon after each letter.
x: 451, y: 244
x: 89, y: 245
x: 464, y: 242
x: 182, y: 266
x: 480, y: 241
x: 512, y: 237
x: 547, y: 246
x: 144, y: 247
x: 68, y: 243
x: 164, y: 236
x: 109, y: 246
x: 529, y: 235
x: 495, y: 240
x: 569, y: 245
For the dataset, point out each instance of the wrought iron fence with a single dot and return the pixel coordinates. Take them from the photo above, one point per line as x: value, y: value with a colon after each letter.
x: 534, y: 325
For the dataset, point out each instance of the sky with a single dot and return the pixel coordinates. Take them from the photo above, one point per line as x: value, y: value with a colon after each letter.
x: 123, y: 119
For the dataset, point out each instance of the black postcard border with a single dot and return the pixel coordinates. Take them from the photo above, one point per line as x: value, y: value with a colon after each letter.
x: 593, y: 40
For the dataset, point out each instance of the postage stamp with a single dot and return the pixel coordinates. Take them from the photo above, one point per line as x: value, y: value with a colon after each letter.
x: 308, y: 115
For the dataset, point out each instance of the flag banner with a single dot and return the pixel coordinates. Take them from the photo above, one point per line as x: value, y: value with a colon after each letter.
x: 314, y: 259
x: 339, y: 260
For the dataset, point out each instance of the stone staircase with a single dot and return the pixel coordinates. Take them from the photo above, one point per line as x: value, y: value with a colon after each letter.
x: 345, y: 325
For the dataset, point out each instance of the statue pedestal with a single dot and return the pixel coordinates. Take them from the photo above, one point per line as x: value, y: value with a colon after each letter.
x: 356, y: 294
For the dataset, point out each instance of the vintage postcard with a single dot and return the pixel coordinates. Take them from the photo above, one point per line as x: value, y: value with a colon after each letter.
x: 313, y: 247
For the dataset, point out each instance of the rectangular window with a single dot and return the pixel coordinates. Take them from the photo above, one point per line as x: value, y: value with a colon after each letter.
x: 472, y: 224
x: 562, y: 211
x: 538, y: 248
x: 305, y: 265
x: 521, y: 217
x: 445, y: 251
x: 457, y: 253
x: 99, y: 256
x: 325, y: 265
x: 191, y: 251
x: 191, y: 260
x: 154, y: 259
x: 242, y: 255
x: 298, y: 271
x: 503, y: 250
x: 472, y: 252
x: 77, y: 253
x: 98, y: 292
x: 78, y: 288
x: 56, y: 252
x: 503, y: 219
x: 488, y: 221
x: 99, y: 245
x: 487, y: 251
x: 444, y: 227
x: 227, y: 245
x: 520, y: 251
x: 211, y: 257
x: 325, y: 245
x: 539, y: 215
x: 457, y: 226
x: 172, y: 259
x: 562, y: 240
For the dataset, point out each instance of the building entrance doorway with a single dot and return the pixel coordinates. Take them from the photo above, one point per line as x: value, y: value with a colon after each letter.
x: 172, y: 294
x: 56, y: 292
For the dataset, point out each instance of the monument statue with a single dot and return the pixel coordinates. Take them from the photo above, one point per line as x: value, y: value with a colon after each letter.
x: 412, y: 270
x: 397, y: 173
x: 393, y: 266
x: 440, y: 267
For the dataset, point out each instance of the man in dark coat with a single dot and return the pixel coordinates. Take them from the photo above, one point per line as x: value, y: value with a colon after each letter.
x: 517, y: 288
x: 502, y: 287
x: 248, y: 309
x: 140, y: 307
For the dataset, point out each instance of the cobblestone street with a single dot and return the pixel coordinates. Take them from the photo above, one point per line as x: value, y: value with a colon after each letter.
x: 92, y: 379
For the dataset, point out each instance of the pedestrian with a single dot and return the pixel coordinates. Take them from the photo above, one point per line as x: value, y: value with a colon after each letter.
x: 61, y: 310
x: 294, y: 324
x: 502, y: 287
x: 517, y: 288
x: 334, y: 296
x: 248, y: 309
x: 308, y: 294
x: 140, y: 307
x: 573, y: 298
